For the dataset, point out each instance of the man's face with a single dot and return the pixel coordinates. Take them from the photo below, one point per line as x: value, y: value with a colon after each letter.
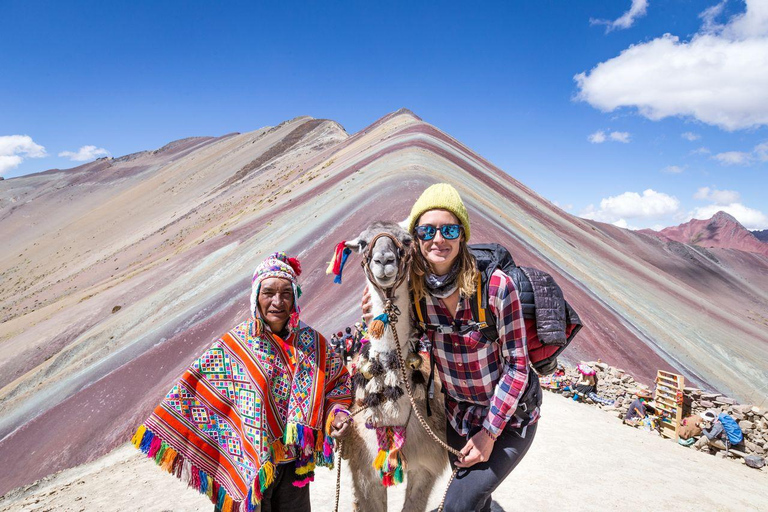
x: 275, y: 302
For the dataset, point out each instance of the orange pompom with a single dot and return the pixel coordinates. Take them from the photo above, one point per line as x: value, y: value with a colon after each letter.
x: 376, y: 330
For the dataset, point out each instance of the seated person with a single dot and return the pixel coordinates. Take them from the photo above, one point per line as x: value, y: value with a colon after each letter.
x: 586, y: 387
x: 637, y: 412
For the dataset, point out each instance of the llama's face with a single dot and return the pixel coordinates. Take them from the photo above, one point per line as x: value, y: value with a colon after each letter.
x: 385, y: 255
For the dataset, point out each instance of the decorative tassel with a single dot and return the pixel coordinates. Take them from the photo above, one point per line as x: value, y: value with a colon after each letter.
x: 398, y: 476
x: 376, y: 329
x: 378, y: 462
x: 160, y: 452
x: 291, y: 434
x: 138, y: 436
x: 293, y: 321
x: 220, y: 496
x: 328, y: 447
x: 279, y: 451
x: 256, y: 494
x: 295, y: 265
x: 227, y: 506
x: 310, y: 467
x: 335, y: 263
x: 301, y: 483
x: 266, y: 476
x: 146, y: 442
x: 309, y: 441
x: 344, y: 257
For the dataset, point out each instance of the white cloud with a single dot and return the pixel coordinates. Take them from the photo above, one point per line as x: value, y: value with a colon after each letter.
x: 620, y: 137
x: 748, y: 217
x: 701, y: 151
x: 85, y: 154
x: 631, y: 205
x: 690, y: 136
x: 719, y: 197
x: 758, y: 154
x: 598, y: 137
x: 761, y: 151
x: 15, y: 148
x: 638, y: 9
x: 673, y: 169
x: 719, y: 76
x: 733, y: 158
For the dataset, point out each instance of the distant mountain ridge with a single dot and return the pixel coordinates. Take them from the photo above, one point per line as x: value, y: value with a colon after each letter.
x: 761, y: 235
x: 722, y: 231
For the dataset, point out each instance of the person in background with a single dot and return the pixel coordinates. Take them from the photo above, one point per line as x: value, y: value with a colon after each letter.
x: 586, y: 387
x: 348, y: 341
x: 636, y: 412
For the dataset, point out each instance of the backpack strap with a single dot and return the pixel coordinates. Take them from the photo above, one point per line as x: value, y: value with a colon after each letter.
x: 483, y: 319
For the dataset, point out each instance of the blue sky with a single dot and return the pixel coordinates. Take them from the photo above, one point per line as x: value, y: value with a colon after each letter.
x: 85, y: 79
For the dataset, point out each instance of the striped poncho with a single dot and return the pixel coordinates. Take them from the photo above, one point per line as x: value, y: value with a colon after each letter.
x: 248, y: 403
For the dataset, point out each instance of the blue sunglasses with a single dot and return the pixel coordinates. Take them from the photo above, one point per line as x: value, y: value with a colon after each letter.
x: 449, y: 231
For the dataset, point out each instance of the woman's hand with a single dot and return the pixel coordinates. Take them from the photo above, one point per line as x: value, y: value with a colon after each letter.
x: 477, y: 449
x: 367, y: 307
x: 340, y: 427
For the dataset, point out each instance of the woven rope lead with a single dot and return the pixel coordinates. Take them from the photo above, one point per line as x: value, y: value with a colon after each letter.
x: 445, y: 493
x: 338, y: 475
x: 348, y: 419
x: 407, y: 383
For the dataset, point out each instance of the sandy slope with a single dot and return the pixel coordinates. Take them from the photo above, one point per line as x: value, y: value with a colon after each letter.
x: 582, y: 459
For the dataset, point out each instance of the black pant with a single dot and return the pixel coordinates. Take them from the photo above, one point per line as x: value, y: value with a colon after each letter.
x: 282, y: 495
x: 471, y: 489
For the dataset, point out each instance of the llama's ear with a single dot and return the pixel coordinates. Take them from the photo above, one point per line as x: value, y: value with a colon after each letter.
x: 358, y: 244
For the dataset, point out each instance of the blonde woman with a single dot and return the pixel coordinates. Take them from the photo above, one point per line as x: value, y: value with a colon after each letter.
x: 491, y: 395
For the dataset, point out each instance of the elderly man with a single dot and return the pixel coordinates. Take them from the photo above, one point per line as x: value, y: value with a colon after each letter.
x: 252, y: 417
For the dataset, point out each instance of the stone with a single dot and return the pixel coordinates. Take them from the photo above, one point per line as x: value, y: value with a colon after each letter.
x: 710, y: 396
x: 743, y: 409
x: 754, y: 448
x: 706, y: 403
x: 724, y: 400
x: 737, y: 416
x: 746, y: 425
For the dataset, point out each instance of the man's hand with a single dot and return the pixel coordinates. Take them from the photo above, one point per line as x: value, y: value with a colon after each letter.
x: 477, y: 449
x: 340, y: 427
x: 367, y: 307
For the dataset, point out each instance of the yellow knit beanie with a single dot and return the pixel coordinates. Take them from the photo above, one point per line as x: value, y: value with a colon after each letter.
x: 440, y: 196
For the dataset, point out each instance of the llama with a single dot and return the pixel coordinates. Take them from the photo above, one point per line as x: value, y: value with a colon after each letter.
x: 387, y: 434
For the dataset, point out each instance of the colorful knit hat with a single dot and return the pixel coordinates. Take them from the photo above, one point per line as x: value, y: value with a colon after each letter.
x: 277, y: 265
x: 440, y: 196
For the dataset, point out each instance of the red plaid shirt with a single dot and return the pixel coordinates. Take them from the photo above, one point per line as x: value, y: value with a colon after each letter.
x: 483, y: 380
